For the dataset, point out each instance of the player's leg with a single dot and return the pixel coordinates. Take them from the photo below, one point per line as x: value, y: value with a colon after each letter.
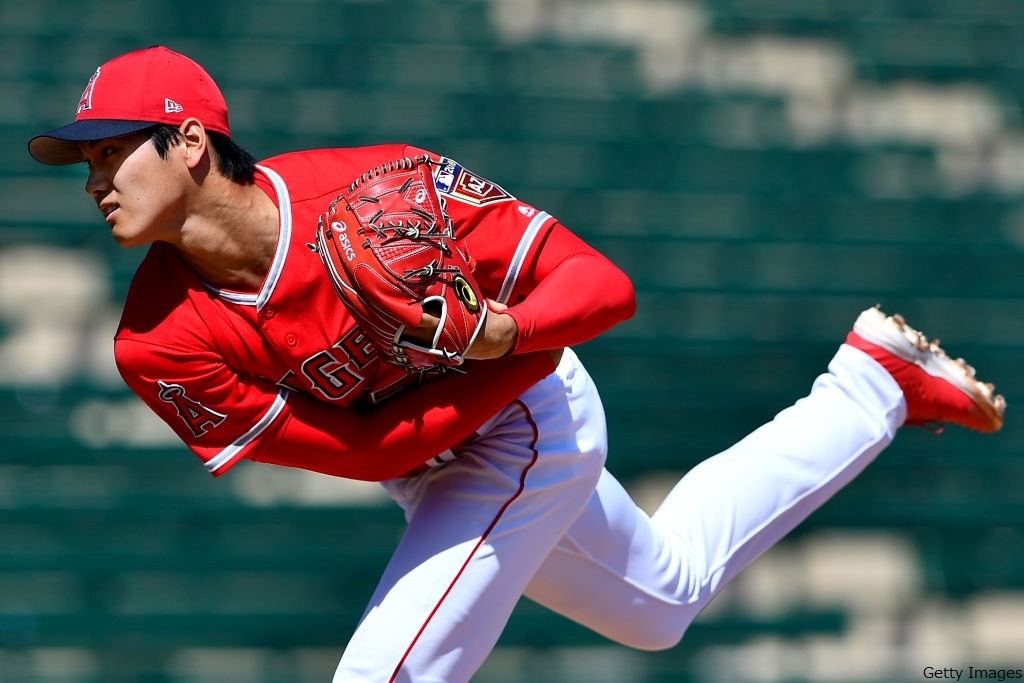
x: 641, y: 581
x: 478, y: 530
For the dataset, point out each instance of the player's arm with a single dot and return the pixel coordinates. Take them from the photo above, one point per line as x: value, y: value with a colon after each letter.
x: 567, y: 292
x: 225, y: 417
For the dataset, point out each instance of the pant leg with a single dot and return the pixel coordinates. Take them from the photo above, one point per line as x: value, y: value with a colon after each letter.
x: 642, y: 580
x: 478, y: 529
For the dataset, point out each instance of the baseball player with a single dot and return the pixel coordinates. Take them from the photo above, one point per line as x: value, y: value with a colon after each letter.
x: 234, y: 335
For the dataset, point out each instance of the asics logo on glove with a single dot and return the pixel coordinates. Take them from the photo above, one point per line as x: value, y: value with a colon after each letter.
x: 341, y: 229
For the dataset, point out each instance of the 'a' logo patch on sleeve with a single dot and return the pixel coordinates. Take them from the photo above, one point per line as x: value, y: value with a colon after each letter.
x: 194, y: 414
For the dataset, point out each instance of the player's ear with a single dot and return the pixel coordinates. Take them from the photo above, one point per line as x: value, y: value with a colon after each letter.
x: 195, y: 140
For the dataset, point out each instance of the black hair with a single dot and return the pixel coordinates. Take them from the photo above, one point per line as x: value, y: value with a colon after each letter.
x: 233, y: 162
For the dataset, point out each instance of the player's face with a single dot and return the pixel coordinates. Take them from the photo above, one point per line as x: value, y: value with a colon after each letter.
x: 136, y: 190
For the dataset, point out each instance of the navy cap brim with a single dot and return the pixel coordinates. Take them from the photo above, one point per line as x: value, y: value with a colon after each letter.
x: 59, y: 147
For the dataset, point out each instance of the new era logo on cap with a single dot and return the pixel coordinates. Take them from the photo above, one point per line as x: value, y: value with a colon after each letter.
x: 172, y: 107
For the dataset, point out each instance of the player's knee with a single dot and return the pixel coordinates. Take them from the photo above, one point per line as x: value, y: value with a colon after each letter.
x: 652, y: 636
x: 665, y: 640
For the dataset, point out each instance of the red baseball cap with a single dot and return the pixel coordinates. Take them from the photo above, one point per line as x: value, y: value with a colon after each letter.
x: 130, y: 93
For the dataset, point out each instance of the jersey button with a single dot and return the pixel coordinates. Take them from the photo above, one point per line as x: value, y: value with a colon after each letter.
x: 291, y: 339
x: 268, y: 313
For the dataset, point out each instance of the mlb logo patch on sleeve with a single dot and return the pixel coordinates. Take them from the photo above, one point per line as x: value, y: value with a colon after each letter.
x: 454, y: 181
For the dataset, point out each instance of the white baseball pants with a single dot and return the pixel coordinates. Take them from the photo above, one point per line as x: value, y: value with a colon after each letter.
x: 528, y: 509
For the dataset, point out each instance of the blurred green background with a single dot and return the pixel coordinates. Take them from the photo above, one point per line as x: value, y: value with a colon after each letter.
x: 763, y: 169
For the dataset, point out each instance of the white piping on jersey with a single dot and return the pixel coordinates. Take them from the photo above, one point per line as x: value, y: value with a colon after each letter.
x: 519, y: 258
x: 231, y: 453
x: 284, y: 237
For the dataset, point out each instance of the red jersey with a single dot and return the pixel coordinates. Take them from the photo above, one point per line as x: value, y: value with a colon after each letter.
x: 283, y: 375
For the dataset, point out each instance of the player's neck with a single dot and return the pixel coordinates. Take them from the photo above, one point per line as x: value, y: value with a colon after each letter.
x: 230, y: 238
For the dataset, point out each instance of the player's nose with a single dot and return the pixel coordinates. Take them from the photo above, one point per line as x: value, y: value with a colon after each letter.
x: 97, y: 185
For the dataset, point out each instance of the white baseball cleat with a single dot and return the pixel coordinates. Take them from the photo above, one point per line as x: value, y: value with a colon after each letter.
x: 938, y: 389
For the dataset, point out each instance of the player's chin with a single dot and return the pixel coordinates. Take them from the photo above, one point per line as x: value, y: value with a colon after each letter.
x: 125, y: 237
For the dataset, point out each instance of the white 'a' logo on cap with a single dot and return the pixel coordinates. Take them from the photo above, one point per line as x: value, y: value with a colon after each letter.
x: 86, y: 100
x: 172, y: 107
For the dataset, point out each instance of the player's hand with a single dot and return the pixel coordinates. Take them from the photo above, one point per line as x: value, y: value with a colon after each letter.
x: 495, y: 340
x: 498, y: 336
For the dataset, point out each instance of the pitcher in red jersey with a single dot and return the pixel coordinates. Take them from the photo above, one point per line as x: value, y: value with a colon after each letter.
x: 233, y: 334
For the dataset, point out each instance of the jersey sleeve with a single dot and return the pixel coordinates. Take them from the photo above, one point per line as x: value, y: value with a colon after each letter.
x: 567, y: 293
x: 224, y: 417
x: 217, y: 413
x: 560, y: 290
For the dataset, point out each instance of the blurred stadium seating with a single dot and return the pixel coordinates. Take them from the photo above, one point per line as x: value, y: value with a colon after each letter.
x: 763, y: 169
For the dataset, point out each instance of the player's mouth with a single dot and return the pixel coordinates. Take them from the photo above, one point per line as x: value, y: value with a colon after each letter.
x: 108, y: 211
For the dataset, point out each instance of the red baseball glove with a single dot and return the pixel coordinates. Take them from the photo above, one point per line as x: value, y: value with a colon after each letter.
x: 389, y: 248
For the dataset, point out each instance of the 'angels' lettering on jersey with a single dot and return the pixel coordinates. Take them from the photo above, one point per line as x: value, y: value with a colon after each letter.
x: 456, y: 182
x: 337, y: 372
x: 194, y: 414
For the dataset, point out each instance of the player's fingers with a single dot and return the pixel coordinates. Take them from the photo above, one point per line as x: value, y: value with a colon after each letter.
x: 424, y: 332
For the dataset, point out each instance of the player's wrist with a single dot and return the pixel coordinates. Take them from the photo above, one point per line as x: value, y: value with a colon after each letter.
x: 497, y: 338
x: 508, y: 332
